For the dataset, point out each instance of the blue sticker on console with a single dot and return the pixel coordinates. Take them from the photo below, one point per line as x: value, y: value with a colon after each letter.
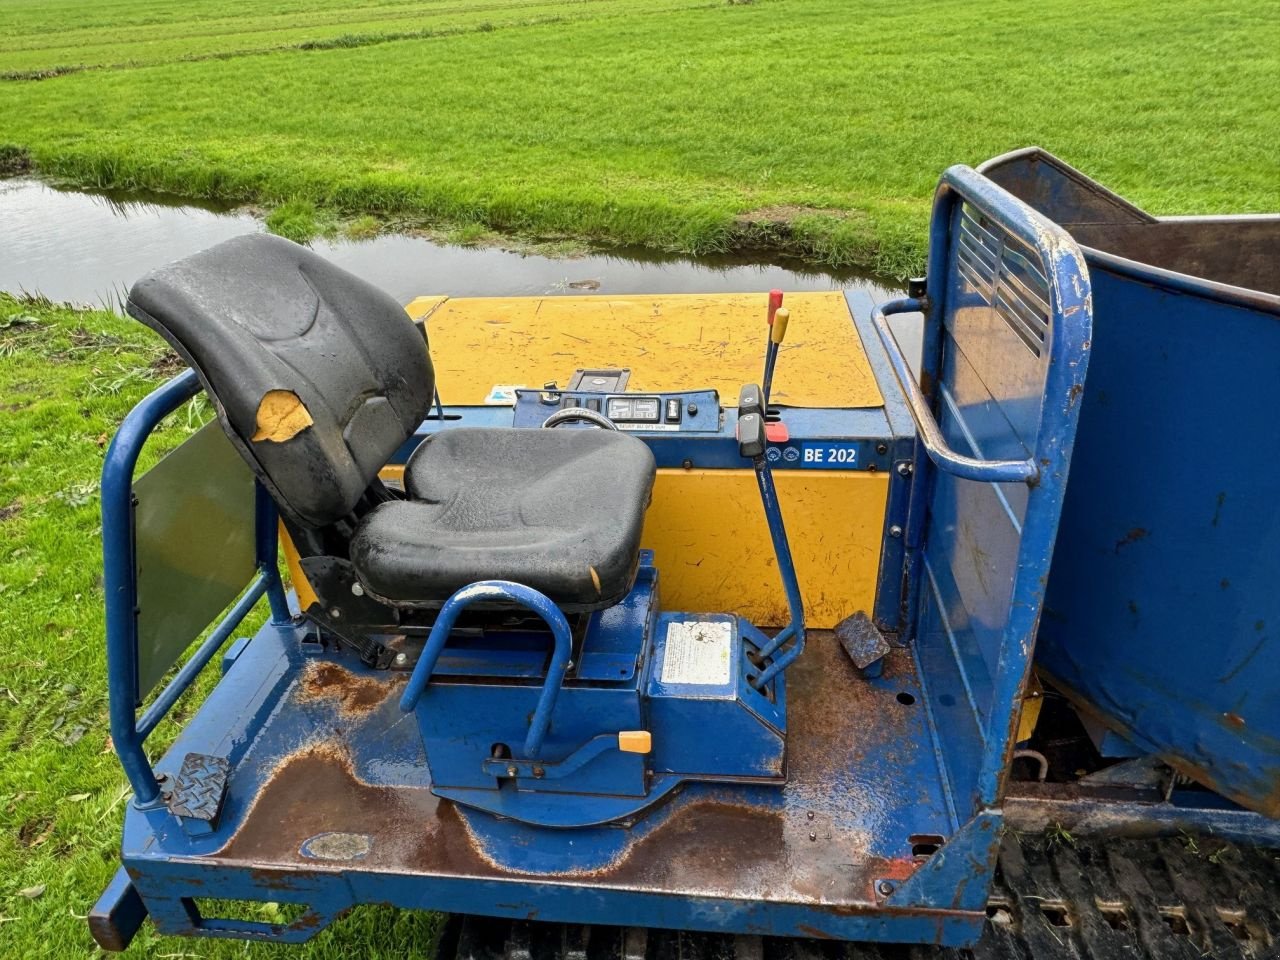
x: 816, y: 455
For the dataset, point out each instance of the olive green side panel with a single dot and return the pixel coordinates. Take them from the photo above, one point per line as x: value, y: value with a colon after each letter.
x: 193, y: 529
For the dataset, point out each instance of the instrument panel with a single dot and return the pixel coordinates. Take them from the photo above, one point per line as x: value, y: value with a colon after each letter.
x: 693, y: 412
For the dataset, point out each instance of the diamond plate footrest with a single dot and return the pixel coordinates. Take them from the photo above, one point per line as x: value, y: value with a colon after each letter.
x: 197, y: 795
x: 863, y: 642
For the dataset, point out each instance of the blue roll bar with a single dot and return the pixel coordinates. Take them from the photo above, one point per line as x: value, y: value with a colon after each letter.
x: 120, y: 584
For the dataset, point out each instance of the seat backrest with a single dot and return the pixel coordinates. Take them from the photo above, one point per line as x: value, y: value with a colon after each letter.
x: 317, y: 376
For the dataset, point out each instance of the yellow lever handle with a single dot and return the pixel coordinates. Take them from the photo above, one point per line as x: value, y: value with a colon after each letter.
x: 779, y: 329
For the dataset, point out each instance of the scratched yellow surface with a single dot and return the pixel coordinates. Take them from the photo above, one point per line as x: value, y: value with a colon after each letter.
x: 672, y: 342
x: 712, y: 550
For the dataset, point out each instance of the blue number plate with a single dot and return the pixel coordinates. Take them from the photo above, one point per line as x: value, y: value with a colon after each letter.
x: 814, y: 455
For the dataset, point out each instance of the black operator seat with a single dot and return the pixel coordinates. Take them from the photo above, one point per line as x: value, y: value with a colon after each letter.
x: 319, y: 377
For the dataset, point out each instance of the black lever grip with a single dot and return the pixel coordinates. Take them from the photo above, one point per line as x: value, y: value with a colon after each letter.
x: 751, y: 438
x: 750, y: 400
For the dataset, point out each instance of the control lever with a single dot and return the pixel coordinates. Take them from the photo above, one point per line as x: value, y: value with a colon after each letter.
x: 753, y: 445
x: 777, y: 316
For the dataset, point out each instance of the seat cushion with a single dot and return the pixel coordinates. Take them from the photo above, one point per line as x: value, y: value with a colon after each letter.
x: 557, y: 510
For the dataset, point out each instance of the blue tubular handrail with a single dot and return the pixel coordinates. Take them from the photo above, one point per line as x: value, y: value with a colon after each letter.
x: 490, y: 591
x: 120, y: 585
x: 935, y: 444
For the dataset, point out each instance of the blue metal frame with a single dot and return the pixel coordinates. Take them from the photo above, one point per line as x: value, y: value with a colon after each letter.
x: 953, y: 796
x: 1044, y: 472
x: 504, y: 591
x: 890, y: 613
x: 867, y: 428
x: 128, y: 731
x: 507, y: 868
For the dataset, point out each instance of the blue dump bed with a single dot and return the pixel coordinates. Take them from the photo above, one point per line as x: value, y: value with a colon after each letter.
x: 1162, y: 617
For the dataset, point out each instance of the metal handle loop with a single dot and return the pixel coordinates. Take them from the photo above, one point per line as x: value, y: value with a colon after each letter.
x: 488, y: 591
x: 940, y: 452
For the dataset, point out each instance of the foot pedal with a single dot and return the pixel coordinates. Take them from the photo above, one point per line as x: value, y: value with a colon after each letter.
x: 863, y: 642
x: 198, y: 793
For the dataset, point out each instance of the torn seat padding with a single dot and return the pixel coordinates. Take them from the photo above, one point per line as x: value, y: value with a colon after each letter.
x: 544, y: 508
x: 258, y: 314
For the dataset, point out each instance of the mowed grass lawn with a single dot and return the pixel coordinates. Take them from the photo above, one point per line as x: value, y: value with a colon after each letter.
x: 815, y: 127
x: 66, y: 379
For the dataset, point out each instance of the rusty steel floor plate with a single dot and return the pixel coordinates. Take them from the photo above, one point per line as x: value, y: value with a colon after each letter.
x: 328, y: 778
x: 861, y: 781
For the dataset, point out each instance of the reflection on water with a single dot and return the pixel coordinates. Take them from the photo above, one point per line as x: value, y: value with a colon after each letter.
x: 89, y: 248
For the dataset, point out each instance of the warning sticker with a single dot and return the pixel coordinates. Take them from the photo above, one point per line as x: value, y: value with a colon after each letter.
x: 698, y: 651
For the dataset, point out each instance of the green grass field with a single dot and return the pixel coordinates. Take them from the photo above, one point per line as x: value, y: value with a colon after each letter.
x: 813, y: 127
x: 66, y: 379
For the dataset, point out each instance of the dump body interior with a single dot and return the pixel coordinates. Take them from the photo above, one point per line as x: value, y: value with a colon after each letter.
x: 1171, y: 516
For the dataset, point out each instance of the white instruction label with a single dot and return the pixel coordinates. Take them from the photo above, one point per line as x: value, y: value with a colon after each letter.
x: 503, y: 394
x: 698, y: 651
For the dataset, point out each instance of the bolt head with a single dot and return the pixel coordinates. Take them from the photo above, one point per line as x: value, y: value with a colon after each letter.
x: 895, y: 531
x: 884, y: 887
x: 512, y: 770
x: 904, y: 469
x: 401, y: 658
x: 357, y: 590
x: 335, y: 613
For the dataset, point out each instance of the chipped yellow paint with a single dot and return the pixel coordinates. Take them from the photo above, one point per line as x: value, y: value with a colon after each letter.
x: 675, y: 342
x: 635, y: 741
x: 306, y: 595
x: 281, y: 416
x: 595, y: 579
x: 712, y: 549
x: 1032, y: 701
